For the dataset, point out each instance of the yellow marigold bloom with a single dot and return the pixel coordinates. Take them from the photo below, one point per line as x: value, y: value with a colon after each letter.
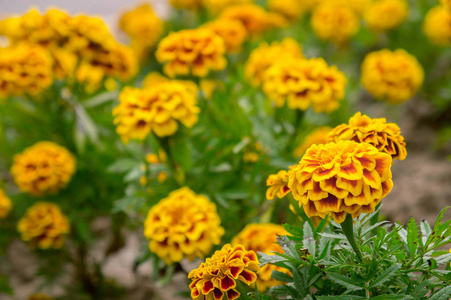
x: 217, y: 276
x: 446, y: 3
x: 277, y: 185
x: 232, y: 31
x: 191, y: 51
x: 305, y: 83
x: 393, y: 76
x: 437, y: 25
x: 156, y: 109
x: 386, y: 137
x: 384, y: 15
x: 5, y: 205
x: 43, y: 168
x: 262, y: 238
x: 316, y: 137
x: 264, y: 56
x: 44, y: 226
x: 290, y: 9
x: 183, y: 225
x: 90, y: 77
x: 334, y: 22
x: 216, y: 6
x: 25, y: 69
x: 341, y: 178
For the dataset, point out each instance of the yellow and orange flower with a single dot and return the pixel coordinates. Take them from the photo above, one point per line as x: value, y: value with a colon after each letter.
x: 341, y: 178
x: 393, y: 76
x: 262, y: 238
x: 384, y: 15
x: 305, y: 83
x: 446, y: 3
x: 183, y: 225
x: 218, y: 276
x: 437, y: 25
x: 43, y: 168
x: 386, y: 137
x: 5, y: 205
x: 44, y: 226
x: 277, y: 185
x: 264, y: 56
x: 232, y: 32
x: 316, y: 137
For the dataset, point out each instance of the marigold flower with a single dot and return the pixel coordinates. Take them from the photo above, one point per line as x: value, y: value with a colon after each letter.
x: 183, y: 225
x: 316, y: 137
x: 262, y: 238
x: 156, y: 109
x: 216, y: 6
x: 384, y: 15
x: 217, y: 276
x: 386, y: 137
x: 43, y: 168
x: 341, y: 178
x: 264, y: 56
x: 232, y: 31
x: 437, y: 25
x: 195, y: 51
x: 305, y: 83
x: 446, y: 3
x: 44, y: 226
x: 334, y: 22
x: 5, y: 205
x: 277, y: 185
x: 394, y: 76
x: 290, y: 9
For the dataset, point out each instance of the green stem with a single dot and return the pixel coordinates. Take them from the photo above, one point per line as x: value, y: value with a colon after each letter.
x: 348, y: 230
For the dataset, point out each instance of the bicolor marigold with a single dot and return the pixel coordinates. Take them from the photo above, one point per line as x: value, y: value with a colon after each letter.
x: 43, y: 168
x: 393, y: 76
x: 44, y: 226
x: 183, y: 225
x: 192, y: 51
x: 262, y: 238
x: 437, y: 25
x: 264, y: 56
x: 5, y: 205
x: 384, y: 15
x: 341, y: 178
x: 303, y: 83
x: 232, y: 31
x: 218, y: 275
x: 386, y: 137
x: 316, y: 137
x: 277, y: 185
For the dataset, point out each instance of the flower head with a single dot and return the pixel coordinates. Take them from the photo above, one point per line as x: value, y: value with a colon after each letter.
x: 437, y: 25
x: 317, y: 136
x: 384, y: 15
x: 262, y: 238
x: 394, y: 76
x: 290, y: 9
x: 191, y: 51
x: 277, y: 185
x: 183, y: 225
x: 232, y: 31
x: 264, y: 56
x: 5, y: 205
x: 44, y: 226
x: 386, y: 137
x: 217, y: 6
x: 217, y: 276
x: 341, y: 178
x: 305, y: 83
x: 43, y: 168
x: 446, y: 3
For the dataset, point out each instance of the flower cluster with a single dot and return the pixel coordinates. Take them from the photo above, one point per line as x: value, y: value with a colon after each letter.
x: 155, y: 108
x: 217, y: 276
x: 231, y: 31
x: 305, y: 83
x: 183, y: 225
x: 262, y: 238
x: 43, y: 168
x: 316, y: 137
x: 265, y: 55
x: 437, y: 25
x: 24, y: 69
x: 394, y: 76
x: 386, y: 137
x: 384, y: 15
x: 143, y: 27
x: 44, y: 226
x: 191, y: 51
x: 5, y: 205
x: 341, y: 178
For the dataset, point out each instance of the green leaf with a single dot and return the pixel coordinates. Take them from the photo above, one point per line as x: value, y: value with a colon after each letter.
x: 123, y: 165
x: 425, y: 228
x: 180, y: 150
x: 5, y: 288
x: 294, y: 230
x: 412, y: 237
x: 385, y: 276
x: 280, y: 276
x: 309, y: 241
x: 333, y: 236
x: 443, y: 294
x: 345, y: 281
x: 340, y: 297
x: 392, y: 297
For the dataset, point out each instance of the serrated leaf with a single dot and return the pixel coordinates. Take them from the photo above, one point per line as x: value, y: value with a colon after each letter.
x: 294, y: 230
x: 385, y: 276
x: 392, y: 297
x: 280, y: 276
x: 333, y: 236
x: 309, y: 241
x: 412, y: 237
x: 443, y: 294
x: 370, y: 228
x: 421, y: 290
x: 270, y: 259
x: 425, y: 228
x: 340, y: 297
x: 347, y: 282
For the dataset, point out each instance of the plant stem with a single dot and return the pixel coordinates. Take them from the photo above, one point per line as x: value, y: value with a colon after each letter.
x: 348, y: 230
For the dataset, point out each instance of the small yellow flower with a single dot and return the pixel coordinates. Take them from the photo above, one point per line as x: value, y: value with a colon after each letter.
x: 341, y: 178
x: 305, y: 83
x: 5, y: 205
x: 264, y: 56
x: 437, y: 25
x: 386, y: 137
x: 162, y: 176
x: 277, y: 185
x: 232, y: 31
x: 262, y: 238
x: 218, y: 276
x: 290, y: 9
x: 183, y: 225
x: 384, y: 15
x: 393, y: 76
x: 43, y: 168
x: 316, y: 137
x: 44, y: 226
